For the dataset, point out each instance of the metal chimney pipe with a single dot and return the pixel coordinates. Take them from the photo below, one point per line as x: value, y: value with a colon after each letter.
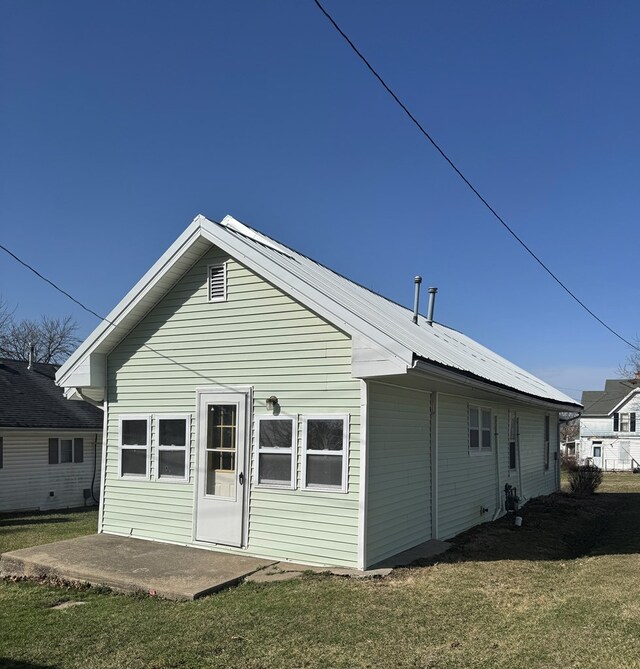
x: 416, y: 299
x: 432, y: 302
x: 32, y: 350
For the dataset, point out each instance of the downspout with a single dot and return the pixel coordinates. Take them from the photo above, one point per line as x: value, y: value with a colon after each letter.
x: 362, y: 558
x: 499, y: 487
x: 105, y: 441
x: 86, y: 399
x: 520, y: 490
x: 95, y: 468
x: 435, y: 530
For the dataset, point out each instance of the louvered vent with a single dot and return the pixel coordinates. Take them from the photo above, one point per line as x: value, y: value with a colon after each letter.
x: 218, y: 282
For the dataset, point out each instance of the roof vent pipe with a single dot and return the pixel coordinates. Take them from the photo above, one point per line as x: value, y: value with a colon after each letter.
x: 432, y: 302
x: 416, y: 299
x: 32, y: 350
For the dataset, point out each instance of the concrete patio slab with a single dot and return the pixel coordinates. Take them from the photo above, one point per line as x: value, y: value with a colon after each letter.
x: 129, y: 565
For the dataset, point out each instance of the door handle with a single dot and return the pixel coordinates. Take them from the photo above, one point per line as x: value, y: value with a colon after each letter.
x: 241, y: 478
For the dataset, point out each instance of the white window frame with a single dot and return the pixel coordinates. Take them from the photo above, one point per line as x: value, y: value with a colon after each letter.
x: 222, y: 264
x: 344, y: 488
x: 160, y: 447
x: 279, y: 451
x: 546, y: 438
x: 121, y: 447
x: 73, y: 451
x: 627, y: 422
x: 479, y: 450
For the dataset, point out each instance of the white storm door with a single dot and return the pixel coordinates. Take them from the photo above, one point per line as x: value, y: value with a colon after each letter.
x: 222, y: 445
x: 597, y: 455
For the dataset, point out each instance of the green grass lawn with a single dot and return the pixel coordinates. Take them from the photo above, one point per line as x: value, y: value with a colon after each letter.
x: 32, y: 529
x: 562, y: 591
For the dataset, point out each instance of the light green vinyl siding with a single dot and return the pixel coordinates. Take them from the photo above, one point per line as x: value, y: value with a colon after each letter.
x: 399, y: 470
x: 468, y: 483
x: 259, y: 337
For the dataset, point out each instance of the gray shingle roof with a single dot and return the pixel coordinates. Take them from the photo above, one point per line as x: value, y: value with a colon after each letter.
x: 30, y: 398
x: 601, y: 402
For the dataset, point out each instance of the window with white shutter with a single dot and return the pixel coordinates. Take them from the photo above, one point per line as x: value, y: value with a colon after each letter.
x: 218, y: 282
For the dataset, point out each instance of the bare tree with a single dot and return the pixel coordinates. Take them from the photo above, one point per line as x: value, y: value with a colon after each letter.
x: 6, y: 315
x: 569, y: 428
x: 53, y: 339
x: 630, y: 369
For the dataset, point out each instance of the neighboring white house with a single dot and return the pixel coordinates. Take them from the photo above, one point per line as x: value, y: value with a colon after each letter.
x: 259, y: 403
x: 609, y: 434
x: 50, y: 448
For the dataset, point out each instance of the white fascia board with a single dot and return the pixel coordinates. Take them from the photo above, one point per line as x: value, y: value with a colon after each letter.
x: 127, y: 304
x: 455, y: 377
x: 369, y: 360
x: 622, y: 402
x: 310, y: 296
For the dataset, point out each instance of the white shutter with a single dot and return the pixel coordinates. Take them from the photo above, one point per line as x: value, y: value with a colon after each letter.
x: 218, y: 282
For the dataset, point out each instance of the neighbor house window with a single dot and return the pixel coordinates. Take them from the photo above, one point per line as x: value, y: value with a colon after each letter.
x: 547, y: 446
x: 624, y: 422
x: 173, y: 438
x: 134, y: 446
x: 217, y: 282
x: 276, y: 438
x: 63, y: 451
x: 597, y: 451
x: 513, y: 440
x: 324, y: 452
x: 479, y: 429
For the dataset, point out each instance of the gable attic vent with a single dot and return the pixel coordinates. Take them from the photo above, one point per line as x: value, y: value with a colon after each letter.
x: 218, y: 282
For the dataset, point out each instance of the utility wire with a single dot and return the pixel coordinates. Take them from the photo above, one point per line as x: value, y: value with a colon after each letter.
x: 44, y: 278
x: 466, y: 181
x: 92, y: 312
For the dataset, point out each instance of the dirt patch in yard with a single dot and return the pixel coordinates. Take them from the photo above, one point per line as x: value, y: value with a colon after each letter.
x: 555, y: 527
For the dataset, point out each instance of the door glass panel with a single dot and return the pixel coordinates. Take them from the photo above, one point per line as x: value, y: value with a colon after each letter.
x: 222, y: 423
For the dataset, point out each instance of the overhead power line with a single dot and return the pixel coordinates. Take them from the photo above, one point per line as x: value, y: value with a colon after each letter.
x: 44, y: 278
x: 464, y: 178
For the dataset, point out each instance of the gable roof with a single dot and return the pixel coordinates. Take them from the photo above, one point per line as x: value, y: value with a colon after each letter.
x: 385, y: 326
x: 604, y: 402
x: 29, y: 398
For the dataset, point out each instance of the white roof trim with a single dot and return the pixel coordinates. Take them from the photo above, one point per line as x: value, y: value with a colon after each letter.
x: 371, y: 320
x: 623, y: 401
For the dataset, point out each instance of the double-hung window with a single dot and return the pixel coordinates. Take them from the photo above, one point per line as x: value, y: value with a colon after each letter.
x: 276, y: 438
x: 66, y: 450
x: 479, y: 429
x: 135, y: 442
x: 324, y: 452
x: 173, y: 437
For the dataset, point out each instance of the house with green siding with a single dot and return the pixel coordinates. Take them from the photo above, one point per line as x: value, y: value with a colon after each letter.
x: 256, y: 402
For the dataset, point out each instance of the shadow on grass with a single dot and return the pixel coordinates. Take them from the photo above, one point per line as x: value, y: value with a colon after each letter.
x: 556, y: 527
x: 8, y: 663
x: 49, y: 516
x: 11, y: 522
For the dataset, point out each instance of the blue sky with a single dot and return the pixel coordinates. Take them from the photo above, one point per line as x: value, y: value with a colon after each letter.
x: 120, y: 121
